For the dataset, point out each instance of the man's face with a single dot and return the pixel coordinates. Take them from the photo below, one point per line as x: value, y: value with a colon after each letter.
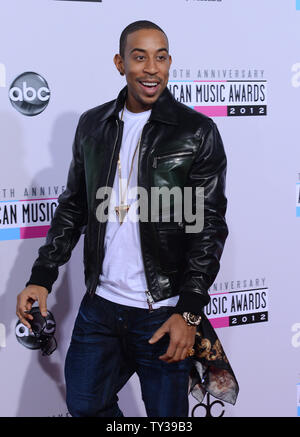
x: 146, y: 65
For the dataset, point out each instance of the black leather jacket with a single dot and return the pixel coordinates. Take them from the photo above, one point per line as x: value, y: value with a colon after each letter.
x: 179, y: 147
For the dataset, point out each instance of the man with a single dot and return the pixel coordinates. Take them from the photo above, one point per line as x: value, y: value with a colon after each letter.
x: 146, y: 280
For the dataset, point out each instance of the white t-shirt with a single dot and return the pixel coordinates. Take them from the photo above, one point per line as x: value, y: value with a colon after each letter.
x: 123, y: 277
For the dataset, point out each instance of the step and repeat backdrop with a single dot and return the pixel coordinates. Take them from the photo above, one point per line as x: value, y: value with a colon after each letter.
x: 235, y: 61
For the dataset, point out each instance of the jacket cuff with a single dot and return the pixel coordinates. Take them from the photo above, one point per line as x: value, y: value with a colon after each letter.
x: 190, y: 302
x: 43, y: 277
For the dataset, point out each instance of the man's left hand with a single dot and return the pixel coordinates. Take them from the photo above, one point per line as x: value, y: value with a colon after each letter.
x: 182, y: 338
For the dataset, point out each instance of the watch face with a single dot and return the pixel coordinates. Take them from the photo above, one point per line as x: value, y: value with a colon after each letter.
x: 191, y: 318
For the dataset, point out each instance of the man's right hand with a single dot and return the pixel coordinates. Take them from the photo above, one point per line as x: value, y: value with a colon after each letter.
x: 26, y: 299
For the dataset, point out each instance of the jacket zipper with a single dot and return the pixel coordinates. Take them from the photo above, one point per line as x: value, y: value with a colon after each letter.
x: 109, y: 171
x: 150, y: 300
x: 178, y: 154
x: 149, y: 297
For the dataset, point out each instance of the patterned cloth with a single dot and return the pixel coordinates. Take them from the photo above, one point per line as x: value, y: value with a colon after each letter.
x: 211, y: 372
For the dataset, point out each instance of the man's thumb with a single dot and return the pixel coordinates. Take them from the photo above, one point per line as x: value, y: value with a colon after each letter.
x: 43, y: 307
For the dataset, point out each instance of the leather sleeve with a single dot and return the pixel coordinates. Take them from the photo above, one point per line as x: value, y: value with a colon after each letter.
x: 67, y: 224
x: 204, y: 248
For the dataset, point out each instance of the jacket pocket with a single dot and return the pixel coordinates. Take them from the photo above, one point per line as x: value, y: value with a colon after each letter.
x: 170, y: 157
x: 170, y: 170
x: 171, y: 241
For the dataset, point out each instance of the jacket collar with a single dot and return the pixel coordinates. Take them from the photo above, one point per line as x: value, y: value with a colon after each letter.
x: 163, y: 109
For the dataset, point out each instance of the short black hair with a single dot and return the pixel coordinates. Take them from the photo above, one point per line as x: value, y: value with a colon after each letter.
x: 133, y: 27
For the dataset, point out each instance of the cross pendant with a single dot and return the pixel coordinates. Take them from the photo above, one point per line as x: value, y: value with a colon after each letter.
x: 121, y: 211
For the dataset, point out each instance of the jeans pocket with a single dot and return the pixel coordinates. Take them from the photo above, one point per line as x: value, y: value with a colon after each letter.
x: 94, y: 311
x: 160, y: 347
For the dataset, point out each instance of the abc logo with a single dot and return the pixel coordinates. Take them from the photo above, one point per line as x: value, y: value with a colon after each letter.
x: 29, y: 94
x: 23, y: 331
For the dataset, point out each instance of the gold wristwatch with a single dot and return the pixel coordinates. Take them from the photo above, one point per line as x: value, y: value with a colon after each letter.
x: 191, y: 319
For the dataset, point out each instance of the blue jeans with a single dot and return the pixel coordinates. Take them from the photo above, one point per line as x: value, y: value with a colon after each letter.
x: 109, y: 344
